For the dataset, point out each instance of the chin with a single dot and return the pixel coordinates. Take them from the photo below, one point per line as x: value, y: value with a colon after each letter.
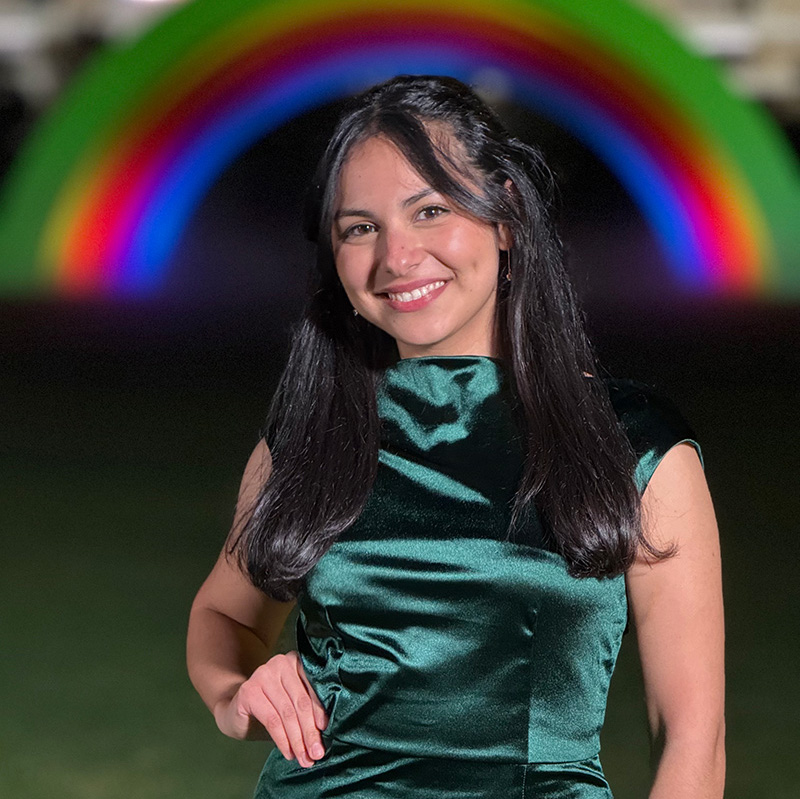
x: 418, y: 342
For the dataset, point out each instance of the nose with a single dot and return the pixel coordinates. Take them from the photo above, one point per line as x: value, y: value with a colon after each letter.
x: 400, y: 250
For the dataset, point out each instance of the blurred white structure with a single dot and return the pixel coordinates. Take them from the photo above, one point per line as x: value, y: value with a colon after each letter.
x: 757, y: 40
x: 42, y: 41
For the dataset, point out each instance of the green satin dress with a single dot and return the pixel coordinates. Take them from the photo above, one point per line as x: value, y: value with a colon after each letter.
x: 454, y: 663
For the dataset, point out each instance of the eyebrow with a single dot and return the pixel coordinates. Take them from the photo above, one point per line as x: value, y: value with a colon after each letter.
x: 420, y: 195
x: 414, y: 198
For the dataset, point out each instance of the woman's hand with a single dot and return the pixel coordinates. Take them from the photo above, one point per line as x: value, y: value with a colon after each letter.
x: 279, y: 698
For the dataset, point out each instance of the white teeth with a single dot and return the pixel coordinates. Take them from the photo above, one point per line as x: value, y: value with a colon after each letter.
x: 407, y: 296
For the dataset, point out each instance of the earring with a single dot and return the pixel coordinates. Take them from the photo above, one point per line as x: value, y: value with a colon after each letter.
x: 508, y: 266
x: 355, y: 312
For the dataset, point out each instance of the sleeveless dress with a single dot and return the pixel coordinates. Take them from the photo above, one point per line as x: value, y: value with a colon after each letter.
x: 455, y: 663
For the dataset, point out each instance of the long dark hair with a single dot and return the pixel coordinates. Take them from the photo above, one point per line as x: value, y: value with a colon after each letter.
x: 323, y: 428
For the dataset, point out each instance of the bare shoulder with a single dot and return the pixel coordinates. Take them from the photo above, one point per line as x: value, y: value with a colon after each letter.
x: 677, y: 512
x: 679, y: 466
x: 677, y: 504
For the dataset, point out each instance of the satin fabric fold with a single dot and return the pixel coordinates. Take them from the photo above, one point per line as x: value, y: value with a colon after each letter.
x: 454, y: 660
x: 359, y: 773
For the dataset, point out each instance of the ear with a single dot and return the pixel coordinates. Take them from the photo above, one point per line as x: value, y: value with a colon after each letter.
x: 504, y: 238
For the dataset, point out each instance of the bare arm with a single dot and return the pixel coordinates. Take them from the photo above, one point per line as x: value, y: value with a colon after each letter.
x: 677, y: 612
x: 233, y: 629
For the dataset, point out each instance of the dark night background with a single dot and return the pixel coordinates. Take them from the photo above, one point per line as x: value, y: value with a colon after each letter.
x: 124, y: 428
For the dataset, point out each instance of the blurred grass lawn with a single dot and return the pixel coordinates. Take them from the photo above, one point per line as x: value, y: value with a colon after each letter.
x: 116, y: 499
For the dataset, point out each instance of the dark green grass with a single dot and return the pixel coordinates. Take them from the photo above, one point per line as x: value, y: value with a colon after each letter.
x: 116, y: 495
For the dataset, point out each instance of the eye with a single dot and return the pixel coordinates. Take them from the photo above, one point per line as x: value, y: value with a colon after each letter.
x: 357, y: 231
x: 431, y: 212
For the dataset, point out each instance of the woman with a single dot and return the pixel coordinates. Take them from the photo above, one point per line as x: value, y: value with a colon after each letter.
x: 454, y: 498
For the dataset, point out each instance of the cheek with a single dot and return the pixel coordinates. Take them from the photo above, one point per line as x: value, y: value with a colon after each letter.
x: 341, y: 271
x: 475, y: 248
x: 353, y: 274
x: 343, y: 266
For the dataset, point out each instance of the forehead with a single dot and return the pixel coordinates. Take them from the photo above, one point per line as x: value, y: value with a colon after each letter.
x: 377, y: 163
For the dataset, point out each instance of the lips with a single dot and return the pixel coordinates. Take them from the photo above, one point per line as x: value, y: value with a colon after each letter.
x: 399, y: 288
x: 416, y: 303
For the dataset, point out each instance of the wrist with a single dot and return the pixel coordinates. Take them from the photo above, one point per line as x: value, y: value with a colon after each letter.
x: 221, y: 712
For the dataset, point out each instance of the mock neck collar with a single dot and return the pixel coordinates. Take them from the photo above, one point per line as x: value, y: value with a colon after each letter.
x: 432, y: 400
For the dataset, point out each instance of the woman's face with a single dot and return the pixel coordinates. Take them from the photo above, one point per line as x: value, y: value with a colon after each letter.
x: 411, y: 261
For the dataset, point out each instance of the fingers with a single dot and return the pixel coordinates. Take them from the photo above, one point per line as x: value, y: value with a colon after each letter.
x: 284, y: 704
x: 279, y: 696
x: 266, y: 713
x: 310, y: 739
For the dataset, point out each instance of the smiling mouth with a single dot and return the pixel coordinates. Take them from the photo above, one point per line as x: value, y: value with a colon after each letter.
x: 409, y: 296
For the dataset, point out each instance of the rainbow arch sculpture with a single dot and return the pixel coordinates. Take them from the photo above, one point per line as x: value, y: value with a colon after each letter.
x: 100, y: 196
